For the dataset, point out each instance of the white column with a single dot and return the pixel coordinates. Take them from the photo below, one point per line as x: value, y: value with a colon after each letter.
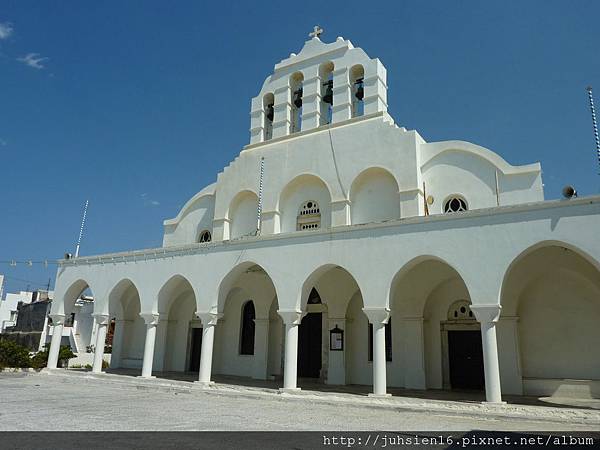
x: 379, y: 317
x: 261, y: 348
x: 151, y: 323
x: 342, y: 91
x: 488, y: 315
x: 102, y: 321
x: 209, y: 321
x: 290, y: 370
x: 93, y: 334
x: 58, y: 321
x: 311, y: 101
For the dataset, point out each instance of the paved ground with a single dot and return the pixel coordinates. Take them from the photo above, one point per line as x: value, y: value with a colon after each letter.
x: 31, y: 401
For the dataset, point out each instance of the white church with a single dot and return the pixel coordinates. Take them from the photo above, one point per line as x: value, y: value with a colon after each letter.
x: 341, y: 248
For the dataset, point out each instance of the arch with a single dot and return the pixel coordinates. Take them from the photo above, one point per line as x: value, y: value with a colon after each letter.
x: 247, y: 332
x: 268, y: 115
x: 302, y: 188
x: 204, y: 237
x: 227, y: 283
x: 170, y: 290
x: 551, y: 307
x: 326, y: 89
x: 243, y: 215
x: 248, y: 287
x: 72, y: 293
x: 357, y: 76
x: 296, y: 90
x: 454, y: 203
x: 421, y: 294
x: 176, y: 307
x: 128, y: 340
x: 338, y: 305
x: 374, y: 196
x: 529, y: 250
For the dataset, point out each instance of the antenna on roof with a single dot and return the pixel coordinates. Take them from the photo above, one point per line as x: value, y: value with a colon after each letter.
x: 81, y: 228
x: 593, y: 110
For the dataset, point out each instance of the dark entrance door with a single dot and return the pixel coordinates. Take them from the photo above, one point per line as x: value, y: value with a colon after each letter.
x: 309, y: 346
x: 196, y: 349
x: 466, y: 359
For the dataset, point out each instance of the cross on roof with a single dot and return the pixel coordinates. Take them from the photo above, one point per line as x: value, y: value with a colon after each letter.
x: 316, y: 32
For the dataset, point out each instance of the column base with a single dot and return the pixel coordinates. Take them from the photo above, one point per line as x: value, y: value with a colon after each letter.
x: 98, y: 372
x: 146, y: 377
x: 204, y: 383
x: 493, y: 403
x: 289, y: 390
x: 379, y: 395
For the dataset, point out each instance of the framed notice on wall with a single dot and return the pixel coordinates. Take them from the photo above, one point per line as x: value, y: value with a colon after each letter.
x: 336, y: 339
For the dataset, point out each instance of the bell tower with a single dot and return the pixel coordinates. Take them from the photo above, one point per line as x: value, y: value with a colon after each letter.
x: 325, y: 83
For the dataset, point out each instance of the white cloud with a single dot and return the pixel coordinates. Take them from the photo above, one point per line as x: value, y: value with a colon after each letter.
x: 33, y: 60
x: 6, y: 30
x: 147, y: 201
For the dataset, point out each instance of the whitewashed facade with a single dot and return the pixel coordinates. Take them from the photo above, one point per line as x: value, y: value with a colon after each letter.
x: 480, y: 281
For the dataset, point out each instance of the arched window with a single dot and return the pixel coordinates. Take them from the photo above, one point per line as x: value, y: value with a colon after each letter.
x: 326, y: 75
x: 297, y: 91
x: 357, y: 76
x: 455, y: 204
x: 247, y: 331
x: 204, y: 237
x: 309, y: 216
x: 269, y: 114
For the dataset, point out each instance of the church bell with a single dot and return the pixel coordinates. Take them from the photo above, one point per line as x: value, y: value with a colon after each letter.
x: 328, y: 97
x: 298, y: 98
x: 270, y: 112
x: 360, y: 89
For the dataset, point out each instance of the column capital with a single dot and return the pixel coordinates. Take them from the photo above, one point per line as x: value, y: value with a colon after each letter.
x: 57, y: 319
x: 209, y: 319
x: 101, y: 319
x: 377, y: 315
x: 290, y: 317
x: 150, y: 318
x: 486, y: 313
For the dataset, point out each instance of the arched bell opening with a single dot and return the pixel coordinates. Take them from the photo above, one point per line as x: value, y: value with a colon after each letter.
x: 357, y: 77
x: 268, y: 115
x: 326, y: 104
x: 296, y: 81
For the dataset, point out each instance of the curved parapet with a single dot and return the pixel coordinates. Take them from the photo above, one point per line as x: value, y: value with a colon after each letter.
x: 195, y: 217
x: 459, y: 169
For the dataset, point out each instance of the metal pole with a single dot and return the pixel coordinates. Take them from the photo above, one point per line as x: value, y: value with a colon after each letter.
x: 593, y: 110
x: 81, y: 228
x: 260, y: 195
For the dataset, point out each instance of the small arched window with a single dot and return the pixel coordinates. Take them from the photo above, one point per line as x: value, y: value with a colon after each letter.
x: 247, y: 331
x: 309, y: 216
x: 455, y: 204
x: 204, y: 237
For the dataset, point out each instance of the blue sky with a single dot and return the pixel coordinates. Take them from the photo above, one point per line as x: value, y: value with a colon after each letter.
x: 138, y: 105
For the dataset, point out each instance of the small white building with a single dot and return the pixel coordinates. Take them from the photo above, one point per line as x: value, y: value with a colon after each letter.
x: 341, y: 247
x: 8, y: 305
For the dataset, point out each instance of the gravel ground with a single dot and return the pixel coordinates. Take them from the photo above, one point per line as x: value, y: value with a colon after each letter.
x: 44, y: 402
